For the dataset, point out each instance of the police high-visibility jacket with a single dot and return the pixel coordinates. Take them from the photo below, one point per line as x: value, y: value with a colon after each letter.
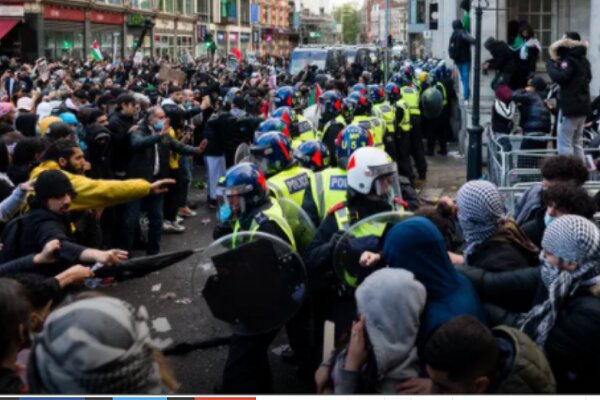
x: 404, y: 122
x: 306, y: 132
x: 373, y: 125
x: 332, y: 185
x: 440, y: 86
x: 271, y: 212
x: 299, y: 185
x: 388, y: 115
x: 411, y: 96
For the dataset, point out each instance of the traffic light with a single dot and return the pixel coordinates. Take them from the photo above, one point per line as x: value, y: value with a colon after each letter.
x: 209, y: 42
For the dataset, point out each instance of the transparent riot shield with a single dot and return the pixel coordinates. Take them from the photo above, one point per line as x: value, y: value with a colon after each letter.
x: 312, y: 114
x: 252, y: 282
x: 366, y: 235
x: 242, y: 153
x: 303, y: 228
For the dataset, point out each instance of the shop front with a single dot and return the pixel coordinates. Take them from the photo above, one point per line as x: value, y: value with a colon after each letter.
x: 135, y: 26
x: 63, y: 32
x: 233, y: 41
x: 107, y: 29
x: 11, y: 33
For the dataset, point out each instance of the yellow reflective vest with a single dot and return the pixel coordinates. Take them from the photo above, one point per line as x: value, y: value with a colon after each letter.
x: 388, y: 115
x: 411, y: 96
x: 292, y: 184
x: 332, y: 186
x: 373, y: 125
x: 306, y: 132
x: 338, y: 120
x: 272, y: 213
x: 440, y: 86
x: 404, y: 123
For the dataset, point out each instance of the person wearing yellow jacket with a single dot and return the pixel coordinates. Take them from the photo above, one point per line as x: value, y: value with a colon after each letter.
x: 66, y: 155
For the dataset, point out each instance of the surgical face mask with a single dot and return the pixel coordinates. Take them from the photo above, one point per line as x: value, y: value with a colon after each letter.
x: 225, y: 212
x: 548, y: 219
x: 158, y: 125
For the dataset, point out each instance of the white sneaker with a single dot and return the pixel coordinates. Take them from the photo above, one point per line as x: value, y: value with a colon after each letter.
x: 178, y: 219
x: 172, y: 227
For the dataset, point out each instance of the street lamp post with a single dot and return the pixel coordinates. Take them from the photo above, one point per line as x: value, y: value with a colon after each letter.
x: 474, y: 155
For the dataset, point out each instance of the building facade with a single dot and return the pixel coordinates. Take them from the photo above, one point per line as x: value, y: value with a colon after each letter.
x: 67, y: 28
x: 398, y: 20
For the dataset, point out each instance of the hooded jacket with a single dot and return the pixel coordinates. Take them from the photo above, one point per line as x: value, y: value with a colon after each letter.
x: 392, y: 302
x: 460, y: 44
x: 418, y: 246
x: 98, y: 152
x: 524, y: 368
x: 571, y: 70
x: 503, y: 62
x: 119, y: 125
x: 97, y: 193
x: 535, y: 117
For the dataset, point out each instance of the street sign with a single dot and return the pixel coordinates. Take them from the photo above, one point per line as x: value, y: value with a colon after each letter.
x: 314, y: 35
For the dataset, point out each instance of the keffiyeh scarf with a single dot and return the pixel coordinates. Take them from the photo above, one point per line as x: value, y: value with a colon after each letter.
x: 479, y: 212
x: 572, y: 239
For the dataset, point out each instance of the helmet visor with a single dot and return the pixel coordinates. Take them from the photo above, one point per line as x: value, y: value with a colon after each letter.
x: 386, y: 183
x: 232, y: 206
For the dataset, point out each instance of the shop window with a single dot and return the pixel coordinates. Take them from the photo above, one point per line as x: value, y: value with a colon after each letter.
x: 540, y: 15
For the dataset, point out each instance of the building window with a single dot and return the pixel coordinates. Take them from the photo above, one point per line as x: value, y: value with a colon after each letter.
x: 142, y: 4
x: 166, y: 6
x: 202, y: 6
x: 539, y: 14
x: 189, y: 7
x: 245, y: 11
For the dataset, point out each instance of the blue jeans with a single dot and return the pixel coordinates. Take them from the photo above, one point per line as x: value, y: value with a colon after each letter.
x: 464, y: 70
x: 153, y: 206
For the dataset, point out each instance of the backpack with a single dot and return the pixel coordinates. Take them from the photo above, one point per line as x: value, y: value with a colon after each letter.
x: 454, y: 45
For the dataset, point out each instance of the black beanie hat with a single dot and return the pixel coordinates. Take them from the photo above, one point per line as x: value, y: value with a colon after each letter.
x: 52, y: 184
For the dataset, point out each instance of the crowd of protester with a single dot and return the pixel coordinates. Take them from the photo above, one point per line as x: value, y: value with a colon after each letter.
x: 97, y: 160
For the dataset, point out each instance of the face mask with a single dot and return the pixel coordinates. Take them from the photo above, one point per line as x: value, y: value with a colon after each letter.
x: 548, y: 219
x: 225, y: 213
x: 159, y: 125
x: 187, y: 105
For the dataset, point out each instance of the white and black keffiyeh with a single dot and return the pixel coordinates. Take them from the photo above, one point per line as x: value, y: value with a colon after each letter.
x: 95, y: 345
x: 572, y: 239
x: 479, y: 212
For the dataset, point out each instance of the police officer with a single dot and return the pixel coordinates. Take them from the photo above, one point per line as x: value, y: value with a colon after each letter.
x: 286, y: 179
x: 272, y: 125
x: 401, y: 137
x: 410, y: 94
x: 370, y: 191
x: 363, y: 116
x: 244, y: 205
x: 386, y: 112
x: 332, y: 183
x: 313, y: 155
x: 438, y: 128
x: 303, y: 131
x: 331, y: 121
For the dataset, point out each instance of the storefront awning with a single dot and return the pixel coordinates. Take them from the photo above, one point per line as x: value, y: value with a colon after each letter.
x: 6, y: 25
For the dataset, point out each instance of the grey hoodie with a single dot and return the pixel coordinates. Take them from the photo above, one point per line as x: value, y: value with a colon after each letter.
x: 392, y: 302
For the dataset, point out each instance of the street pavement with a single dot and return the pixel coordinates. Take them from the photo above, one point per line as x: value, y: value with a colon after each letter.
x: 168, y: 294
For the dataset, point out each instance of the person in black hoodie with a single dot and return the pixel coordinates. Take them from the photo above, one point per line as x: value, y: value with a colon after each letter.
x: 49, y: 220
x: 569, y: 68
x: 503, y: 62
x: 119, y: 124
x: 460, y: 52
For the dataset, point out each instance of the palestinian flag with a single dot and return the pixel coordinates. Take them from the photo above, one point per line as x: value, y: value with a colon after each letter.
x: 96, y: 53
x: 315, y: 93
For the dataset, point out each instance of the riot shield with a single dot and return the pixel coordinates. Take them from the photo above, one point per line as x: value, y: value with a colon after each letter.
x: 366, y: 235
x: 242, y: 153
x: 312, y: 114
x: 252, y: 282
x: 303, y: 228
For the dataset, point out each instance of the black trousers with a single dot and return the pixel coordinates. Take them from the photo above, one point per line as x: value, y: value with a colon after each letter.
x: 173, y: 196
x: 417, y: 150
x: 402, y: 157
